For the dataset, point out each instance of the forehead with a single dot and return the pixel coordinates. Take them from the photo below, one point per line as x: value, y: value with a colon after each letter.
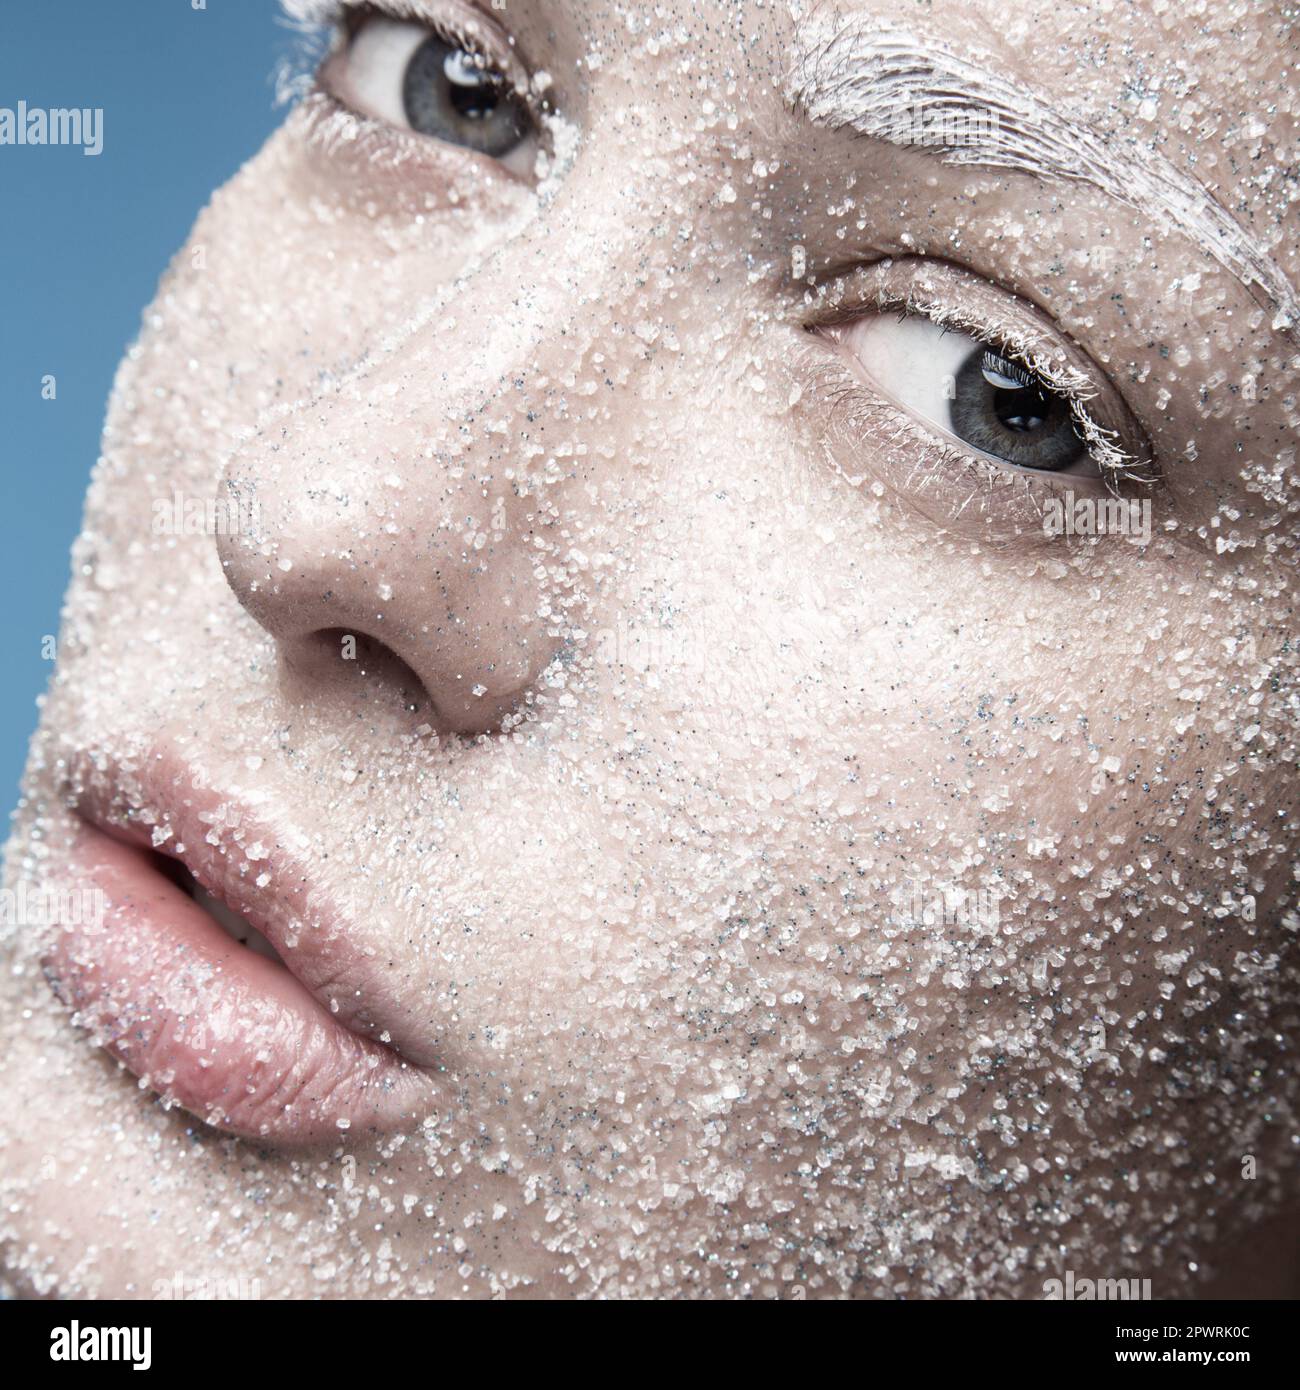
x: 1204, y: 94
x: 1197, y: 77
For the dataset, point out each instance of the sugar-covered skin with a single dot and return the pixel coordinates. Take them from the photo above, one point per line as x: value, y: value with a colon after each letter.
x: 680, y: 654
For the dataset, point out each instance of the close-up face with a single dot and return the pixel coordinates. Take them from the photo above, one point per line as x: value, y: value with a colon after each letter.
x: 680, y: 676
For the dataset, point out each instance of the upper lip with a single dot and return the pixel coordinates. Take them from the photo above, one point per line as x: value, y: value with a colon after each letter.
x: 305, y: 928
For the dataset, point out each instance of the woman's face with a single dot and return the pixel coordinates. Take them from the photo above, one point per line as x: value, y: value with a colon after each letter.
x: 724, y: 599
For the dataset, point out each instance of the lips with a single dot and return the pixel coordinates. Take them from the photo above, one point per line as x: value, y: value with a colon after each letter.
x: 281, y: 1039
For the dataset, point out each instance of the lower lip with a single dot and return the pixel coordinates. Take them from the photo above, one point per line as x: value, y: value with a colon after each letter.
x: 210, y: 1025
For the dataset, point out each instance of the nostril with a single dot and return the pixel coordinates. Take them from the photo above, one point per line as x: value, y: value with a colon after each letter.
x: 347, y: 656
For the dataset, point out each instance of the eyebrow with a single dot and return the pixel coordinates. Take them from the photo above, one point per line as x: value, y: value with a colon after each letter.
x: 888, y: 84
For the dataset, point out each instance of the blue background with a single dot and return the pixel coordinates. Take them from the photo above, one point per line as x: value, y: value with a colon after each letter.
x: 188, y: 95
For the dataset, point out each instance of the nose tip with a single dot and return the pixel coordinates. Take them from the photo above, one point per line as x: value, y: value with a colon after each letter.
x: 416, y: 500
x: 433, y: 598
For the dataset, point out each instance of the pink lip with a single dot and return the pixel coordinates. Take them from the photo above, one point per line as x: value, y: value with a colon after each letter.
x: 251, y: 1046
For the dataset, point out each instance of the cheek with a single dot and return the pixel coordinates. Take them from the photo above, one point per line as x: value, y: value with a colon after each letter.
x: 876, y: 713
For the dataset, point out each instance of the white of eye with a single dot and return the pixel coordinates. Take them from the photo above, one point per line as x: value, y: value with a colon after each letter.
x: 376, y: 63
x: 912, y: 359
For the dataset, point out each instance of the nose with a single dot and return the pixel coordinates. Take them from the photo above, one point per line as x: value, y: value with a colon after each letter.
x: 369, y: 563
x: 413, y: 507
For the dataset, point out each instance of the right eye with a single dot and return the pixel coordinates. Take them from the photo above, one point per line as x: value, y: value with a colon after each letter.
x: 968, y: 389
x: 435, y: 84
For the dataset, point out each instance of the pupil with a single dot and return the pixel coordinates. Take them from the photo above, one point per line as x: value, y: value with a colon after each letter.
x: 1019, y: 405
x: 1000, y: 409
x: 456, y: 95
x: 474, y: 93
x: 1022, y: 410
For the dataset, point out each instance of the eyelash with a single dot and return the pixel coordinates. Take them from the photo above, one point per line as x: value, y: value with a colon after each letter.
x: 295, y: 78
x: 1114, y: 463
x: 855, y: 291
x: 956, y: 481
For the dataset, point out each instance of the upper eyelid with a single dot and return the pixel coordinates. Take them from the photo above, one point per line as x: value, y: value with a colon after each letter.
x: 459, y: 20
x: 1008, y: 337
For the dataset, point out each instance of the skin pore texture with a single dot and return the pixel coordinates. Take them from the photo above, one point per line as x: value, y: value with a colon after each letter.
x: 685, y: 662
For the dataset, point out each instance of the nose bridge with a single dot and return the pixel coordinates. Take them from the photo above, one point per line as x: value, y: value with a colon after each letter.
x: 408, y: 504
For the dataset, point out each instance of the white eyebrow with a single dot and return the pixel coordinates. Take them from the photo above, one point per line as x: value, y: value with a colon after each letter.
x: 888, y: 84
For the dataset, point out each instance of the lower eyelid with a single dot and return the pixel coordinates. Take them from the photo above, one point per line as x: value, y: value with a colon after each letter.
x: 368, y: 151
x: 967, y: 495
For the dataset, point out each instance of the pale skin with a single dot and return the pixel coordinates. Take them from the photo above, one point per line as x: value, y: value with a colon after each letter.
x: 680, y: 652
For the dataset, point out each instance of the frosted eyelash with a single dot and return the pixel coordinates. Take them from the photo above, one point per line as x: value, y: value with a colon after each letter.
x: 1013, y: 371
x: 328, y: 14
x: 1071, y: 384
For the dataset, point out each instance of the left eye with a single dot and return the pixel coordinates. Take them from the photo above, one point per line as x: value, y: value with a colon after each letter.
x: 971, y: 392
x: 436, y: 85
